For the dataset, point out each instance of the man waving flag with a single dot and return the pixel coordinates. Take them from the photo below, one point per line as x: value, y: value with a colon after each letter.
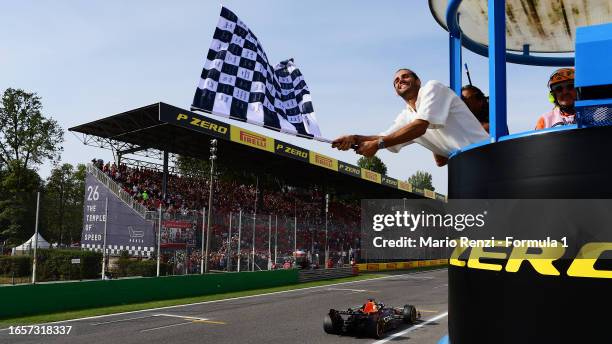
x: 238, y: 82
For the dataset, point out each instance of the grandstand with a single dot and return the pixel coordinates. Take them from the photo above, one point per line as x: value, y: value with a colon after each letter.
x: 168, y: 129
x: 295, y: 211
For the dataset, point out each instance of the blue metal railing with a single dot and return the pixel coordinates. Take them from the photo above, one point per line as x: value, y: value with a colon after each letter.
x: 498, y: 56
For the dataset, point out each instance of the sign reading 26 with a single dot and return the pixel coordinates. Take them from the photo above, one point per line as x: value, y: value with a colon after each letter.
x: 92, y: 193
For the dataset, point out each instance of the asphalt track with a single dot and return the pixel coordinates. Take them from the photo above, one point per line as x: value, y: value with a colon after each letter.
x: 283, y: 317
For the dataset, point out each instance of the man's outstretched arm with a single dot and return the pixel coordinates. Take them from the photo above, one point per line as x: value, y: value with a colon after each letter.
x: 405, y: 134
x: 348, y: 141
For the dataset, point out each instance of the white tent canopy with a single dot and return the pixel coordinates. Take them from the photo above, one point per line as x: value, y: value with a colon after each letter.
x: 29, y: 245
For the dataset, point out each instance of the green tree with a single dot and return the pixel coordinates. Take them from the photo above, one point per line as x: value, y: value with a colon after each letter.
x: 421, y: 179
x: 373, y: 164
x: 64, y: 202
x: 27, y: 138
x: 18, y: 188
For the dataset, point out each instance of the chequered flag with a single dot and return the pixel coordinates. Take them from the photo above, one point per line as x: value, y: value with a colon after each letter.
x: 238, y: 82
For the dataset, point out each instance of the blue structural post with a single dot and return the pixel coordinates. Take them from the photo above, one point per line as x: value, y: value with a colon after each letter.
x: 498, y: 125
x: 455, y: 61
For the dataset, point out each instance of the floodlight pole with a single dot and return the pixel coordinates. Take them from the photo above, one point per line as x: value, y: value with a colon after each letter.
x: 213, y: 157
x: 275, y: 238
x: 270, y: 242
x: 159, y: 227
x: 239, y: 237
x: 36, y: 238
x: 229, y: 244
x: 104, y: 241
x: 254, y: 223
x: 295, y: 229
x: 326, y: 245
x: 202, y: 248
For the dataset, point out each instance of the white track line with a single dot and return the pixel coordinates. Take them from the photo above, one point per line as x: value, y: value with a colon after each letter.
x: 184, y: 317
x: 120, y: 320
x: 348, y: 289
x: 231, y: 299
x: 162, y: 327
x: 410, y: 329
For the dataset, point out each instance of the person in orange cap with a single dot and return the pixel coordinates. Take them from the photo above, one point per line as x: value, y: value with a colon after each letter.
x: 563, y: 95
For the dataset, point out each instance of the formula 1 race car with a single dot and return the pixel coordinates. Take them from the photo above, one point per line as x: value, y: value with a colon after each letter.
x: 372, y: 319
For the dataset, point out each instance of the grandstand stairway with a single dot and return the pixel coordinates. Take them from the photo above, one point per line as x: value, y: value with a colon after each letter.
x: 114, y: 187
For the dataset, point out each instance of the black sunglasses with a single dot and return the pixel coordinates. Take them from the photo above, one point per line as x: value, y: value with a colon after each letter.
x: 559, y: 87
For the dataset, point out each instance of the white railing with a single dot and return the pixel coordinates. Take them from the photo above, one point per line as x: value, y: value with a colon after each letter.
x: 116, y: 189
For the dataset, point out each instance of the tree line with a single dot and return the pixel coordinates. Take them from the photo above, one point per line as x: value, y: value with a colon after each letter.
x: 28, y: 139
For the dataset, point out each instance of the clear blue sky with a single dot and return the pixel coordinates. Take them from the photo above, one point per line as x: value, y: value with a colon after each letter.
x: 88, y: 60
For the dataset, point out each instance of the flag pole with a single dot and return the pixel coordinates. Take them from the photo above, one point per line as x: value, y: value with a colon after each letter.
x: 36, y: 238
x: 104, y: 241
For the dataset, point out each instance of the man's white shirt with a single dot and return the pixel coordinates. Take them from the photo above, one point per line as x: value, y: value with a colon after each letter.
x: 451, y: 123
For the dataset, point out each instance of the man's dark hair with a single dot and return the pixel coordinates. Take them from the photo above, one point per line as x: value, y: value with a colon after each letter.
x: 409, y: 71
x: 474, y: 89
x: 483, y: 116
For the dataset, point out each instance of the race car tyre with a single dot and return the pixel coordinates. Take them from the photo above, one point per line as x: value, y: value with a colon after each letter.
x: 376, y: 329
x: 328, y: 325
x: 410, y: 314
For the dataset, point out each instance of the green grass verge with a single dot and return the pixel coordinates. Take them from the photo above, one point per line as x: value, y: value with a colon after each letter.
x: 44, y: 318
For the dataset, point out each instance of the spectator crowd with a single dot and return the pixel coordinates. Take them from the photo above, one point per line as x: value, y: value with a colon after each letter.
x: 288, y: 205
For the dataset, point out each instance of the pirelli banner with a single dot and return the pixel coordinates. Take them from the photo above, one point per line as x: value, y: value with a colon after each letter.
x: 197, y: 122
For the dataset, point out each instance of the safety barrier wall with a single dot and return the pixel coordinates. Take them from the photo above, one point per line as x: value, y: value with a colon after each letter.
x: 33, y: 299
x: 401, y: 265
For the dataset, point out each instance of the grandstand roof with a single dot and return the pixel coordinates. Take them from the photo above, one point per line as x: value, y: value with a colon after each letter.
x: 165, y: 127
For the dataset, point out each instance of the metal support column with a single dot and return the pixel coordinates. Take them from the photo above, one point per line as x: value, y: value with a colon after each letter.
x: 165, y: 176
x: 159, y: 228
x: 104, y: 241
x: 269, y: 242
x: 275, y: 238
x: 229, y: 245
x: 202, y: 249
x: 239, y: 237
x: 498, y: 125
x: 455, y: 61
x: 254, y: 223
x: 34, y: 260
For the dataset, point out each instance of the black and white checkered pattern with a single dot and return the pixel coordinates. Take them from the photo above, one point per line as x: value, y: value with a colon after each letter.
x: 115, y: 250
x: 238, y: 82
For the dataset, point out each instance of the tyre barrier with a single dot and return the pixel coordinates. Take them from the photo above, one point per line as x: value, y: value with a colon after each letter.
x: 325, y: 274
